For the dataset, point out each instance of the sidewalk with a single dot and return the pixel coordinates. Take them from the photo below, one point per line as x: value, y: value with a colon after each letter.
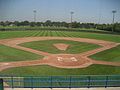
x: 111, y: 88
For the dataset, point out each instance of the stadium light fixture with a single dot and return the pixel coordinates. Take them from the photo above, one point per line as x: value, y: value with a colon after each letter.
x: 34, y: 15
x: 113, y: 21
x: 71, y: 18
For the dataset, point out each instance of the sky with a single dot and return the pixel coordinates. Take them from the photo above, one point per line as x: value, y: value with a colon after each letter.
x: 92, y: 11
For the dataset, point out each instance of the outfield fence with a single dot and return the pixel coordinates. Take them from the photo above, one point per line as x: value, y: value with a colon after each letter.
x: 61, y: 81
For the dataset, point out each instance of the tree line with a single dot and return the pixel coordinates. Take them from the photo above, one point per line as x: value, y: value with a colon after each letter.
x: 49, y: 23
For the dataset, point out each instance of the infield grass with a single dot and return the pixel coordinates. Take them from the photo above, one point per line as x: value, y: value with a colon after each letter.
x: 47, y: 46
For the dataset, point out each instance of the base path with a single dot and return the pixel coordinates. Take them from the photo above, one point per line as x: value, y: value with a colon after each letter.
x: 81, y: 60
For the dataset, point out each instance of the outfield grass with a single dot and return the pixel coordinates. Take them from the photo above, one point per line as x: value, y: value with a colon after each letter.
x: 108, y: 55
x: 8, y: 54
x: 15, y: 34
x: 47, y: 46
x: 48, y: 70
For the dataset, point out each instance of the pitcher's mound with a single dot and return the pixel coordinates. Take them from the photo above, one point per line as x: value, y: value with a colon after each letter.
x: 61, y: 46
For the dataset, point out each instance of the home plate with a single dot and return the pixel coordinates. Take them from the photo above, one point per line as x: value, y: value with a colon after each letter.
x: 59, y: 58
x: 73, y: 59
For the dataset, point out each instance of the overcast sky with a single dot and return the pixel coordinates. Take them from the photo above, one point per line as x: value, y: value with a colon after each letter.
x: 97, y: 11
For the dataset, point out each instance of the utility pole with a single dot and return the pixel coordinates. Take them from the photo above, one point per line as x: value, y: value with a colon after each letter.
x: 113, y: 19
x: 34, y: 15
x: 71, y: 17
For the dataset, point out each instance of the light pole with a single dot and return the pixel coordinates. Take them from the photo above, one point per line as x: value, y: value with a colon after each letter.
x: 71, y: 17
x: 113, y: 19
x: 34, y: 15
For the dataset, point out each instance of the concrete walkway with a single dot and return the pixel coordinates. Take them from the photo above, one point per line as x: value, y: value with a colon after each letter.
x: 111, y: 88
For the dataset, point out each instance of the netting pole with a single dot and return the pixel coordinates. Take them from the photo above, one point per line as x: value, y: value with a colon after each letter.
x: 1, y: 84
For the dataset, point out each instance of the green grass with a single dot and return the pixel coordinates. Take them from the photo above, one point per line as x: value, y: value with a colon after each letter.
x: 47, y: 46
x: 15, y: 34
x: 8, y: 54
x: 108, y: 55
x: 52, y: 71
x: 16, y: 55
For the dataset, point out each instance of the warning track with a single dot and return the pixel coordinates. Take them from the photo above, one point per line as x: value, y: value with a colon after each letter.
x: 81, y: 60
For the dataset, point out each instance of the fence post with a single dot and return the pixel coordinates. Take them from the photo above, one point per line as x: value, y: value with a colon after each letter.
x: 106, y: 82
x: 31, y: 82
x: 88, y: 81
x: 51, y: 82
x: 12, y: 82
x: 1, y: 84
x: 70, y: 83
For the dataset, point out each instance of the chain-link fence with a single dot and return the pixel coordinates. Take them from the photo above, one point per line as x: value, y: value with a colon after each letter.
x: 61, y: 81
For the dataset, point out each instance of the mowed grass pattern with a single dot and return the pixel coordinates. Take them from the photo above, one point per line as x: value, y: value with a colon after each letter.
x: 15, y: 34
x: 47, y: 46
x: 8, y: 54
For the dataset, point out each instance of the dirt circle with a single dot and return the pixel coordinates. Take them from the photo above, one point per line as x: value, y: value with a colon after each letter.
x: 67, y: 61
x: 81, y: 60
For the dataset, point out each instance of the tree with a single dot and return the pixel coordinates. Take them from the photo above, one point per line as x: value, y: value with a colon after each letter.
x: 75, y: 25
x: 16, y: 23
x: 2, y: 23
x: 48, y: 23
x: 25, y: 23
x: 32, y: 24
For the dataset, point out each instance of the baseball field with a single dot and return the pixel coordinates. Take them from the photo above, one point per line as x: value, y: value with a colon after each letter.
x: 46, y: 52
